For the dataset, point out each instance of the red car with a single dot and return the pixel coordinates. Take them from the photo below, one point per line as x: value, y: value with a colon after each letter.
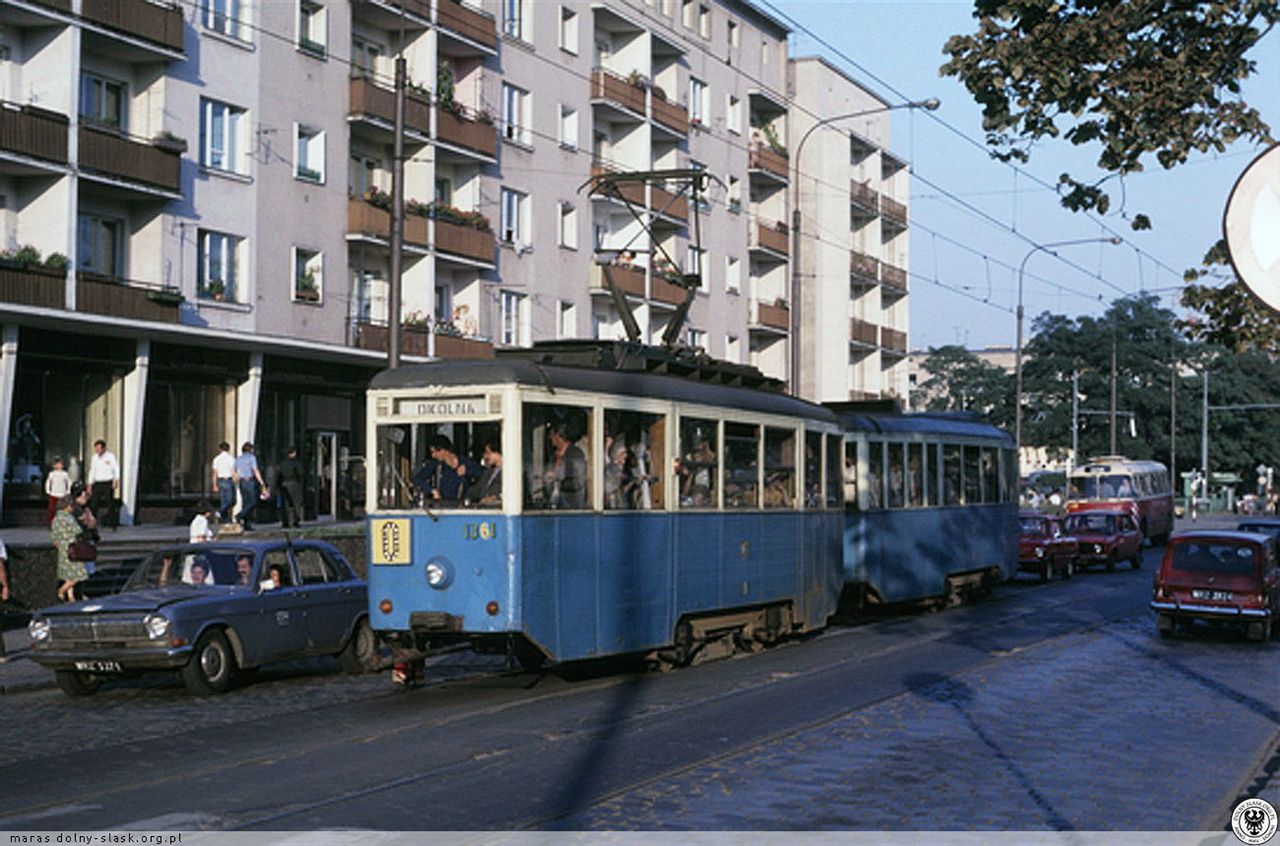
x: 1223, y: 576
x: 1105, y: 537
x: 1043, y: 547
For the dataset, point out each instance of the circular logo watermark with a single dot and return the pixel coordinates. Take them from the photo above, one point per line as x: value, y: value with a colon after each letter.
x: 1254, y: 821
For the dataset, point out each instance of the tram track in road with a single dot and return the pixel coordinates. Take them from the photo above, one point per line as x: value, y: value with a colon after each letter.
x: 660, y: 700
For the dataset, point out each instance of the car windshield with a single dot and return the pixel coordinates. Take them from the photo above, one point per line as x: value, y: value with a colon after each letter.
x: 195, y: 567
x: 1092, y: 523
x: 1212, y: 557
x: 1033, y: 526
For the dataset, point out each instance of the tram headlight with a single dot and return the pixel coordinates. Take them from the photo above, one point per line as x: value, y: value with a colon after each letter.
x: 439, y: 573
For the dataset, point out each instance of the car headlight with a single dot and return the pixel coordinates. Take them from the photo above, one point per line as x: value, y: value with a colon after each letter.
x: 157, y: 626
x: 38, y: 628
x: 1097, y: 547
x: 1039, y: 552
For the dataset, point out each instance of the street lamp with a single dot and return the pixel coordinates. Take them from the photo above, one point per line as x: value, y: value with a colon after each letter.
x: 1017, y: 355
x: 930, y: 105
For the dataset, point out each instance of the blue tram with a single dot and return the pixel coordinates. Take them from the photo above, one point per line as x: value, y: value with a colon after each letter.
x: 930, y: 505
x: 581, y: 500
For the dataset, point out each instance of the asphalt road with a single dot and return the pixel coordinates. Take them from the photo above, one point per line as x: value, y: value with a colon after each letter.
x: 1045, y: 707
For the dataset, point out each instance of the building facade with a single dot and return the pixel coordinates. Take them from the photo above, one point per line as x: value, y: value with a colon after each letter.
x: 204, y: 190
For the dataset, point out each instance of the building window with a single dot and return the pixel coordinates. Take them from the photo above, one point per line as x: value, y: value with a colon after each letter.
x: 704, y: 21
x: 698, y: 338
x: 312, y: 32
x: 366, y: 57
x: 365, y: 174
x: 515, y: 19
x: 733, y: 114
x: 514, y: 331
x: 102, y: 101
x: 733, y: 36
x: 733, y: 349
x: 308, y: 275
x: 515, y: 114
x: 686, y: 13
x: 224, y: 16
x: 665, y: 7
x: 218, y: 266
x: 568, y: 30
x: 734, y: 194
x: 514, y: 217
x: 567, y: 325
x: 444, y: 191
x: 732, y: 274
x: 568, y: 226
x: 694, y: 262
x: 309, y: 163
x: 697, y: 100
x: 220, y: 127
x: 100, y: 245
x: 568, y: 127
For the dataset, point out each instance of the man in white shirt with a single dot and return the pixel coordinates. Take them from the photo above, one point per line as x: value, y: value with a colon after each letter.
x: 4, y: 591
x: 104, y: 482
x: 224, y: 480
x: 202, y: 526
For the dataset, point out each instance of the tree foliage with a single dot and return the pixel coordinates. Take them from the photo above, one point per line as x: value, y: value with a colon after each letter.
x: 1156, y: 79
x: 1228, y: 315
x: 958, y: 380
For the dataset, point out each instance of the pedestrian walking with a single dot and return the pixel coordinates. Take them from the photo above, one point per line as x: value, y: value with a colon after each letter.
x: 289, y: 484
x: 104, y: 482
x: 203, y: 527
x: 56, y: 485
x: 65, y: 531
x: 224, y: 480
x: 4, y: 591
x: 251, y: 485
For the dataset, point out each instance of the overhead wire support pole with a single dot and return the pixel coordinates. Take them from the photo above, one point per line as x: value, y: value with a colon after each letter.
x: 397, y: 221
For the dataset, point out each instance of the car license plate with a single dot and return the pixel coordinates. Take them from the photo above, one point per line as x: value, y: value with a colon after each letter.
x: 1214, y: 595
x: 99, y: 666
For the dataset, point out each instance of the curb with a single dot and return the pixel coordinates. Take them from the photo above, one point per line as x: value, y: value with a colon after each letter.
x: 1260, y: 775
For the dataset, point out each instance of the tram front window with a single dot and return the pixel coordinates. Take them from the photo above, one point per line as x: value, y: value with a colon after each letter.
x: 440, y: 465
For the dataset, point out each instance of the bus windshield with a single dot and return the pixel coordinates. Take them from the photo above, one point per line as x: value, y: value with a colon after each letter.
x: 440, y: 465
x: 1094, y: 486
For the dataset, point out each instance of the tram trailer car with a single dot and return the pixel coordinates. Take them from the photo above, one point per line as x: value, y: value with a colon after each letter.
x: 635, y: 511
x: 932, y: 513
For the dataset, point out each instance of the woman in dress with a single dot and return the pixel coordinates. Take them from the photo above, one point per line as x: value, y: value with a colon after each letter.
x: 65, y: 531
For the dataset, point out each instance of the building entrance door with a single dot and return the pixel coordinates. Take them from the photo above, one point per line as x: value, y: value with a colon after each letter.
x: 326, y: 475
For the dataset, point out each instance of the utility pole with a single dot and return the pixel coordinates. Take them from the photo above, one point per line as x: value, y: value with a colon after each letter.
x: 1075, y: 420
x: 1204, y: 430
x: 397, y: 221
x: 1113, y: 385
x: 1173, y: 416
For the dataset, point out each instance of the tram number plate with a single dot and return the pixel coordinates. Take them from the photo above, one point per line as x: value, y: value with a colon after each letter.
x: 99, y: 666
x: 481, y: 531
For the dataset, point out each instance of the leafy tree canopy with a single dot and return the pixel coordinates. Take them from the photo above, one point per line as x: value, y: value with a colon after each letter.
x: 1228, y: 316
x: 958, y: 380
x: 1136, y: 80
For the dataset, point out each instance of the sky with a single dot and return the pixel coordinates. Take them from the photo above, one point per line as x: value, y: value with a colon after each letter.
x: 974, y: 219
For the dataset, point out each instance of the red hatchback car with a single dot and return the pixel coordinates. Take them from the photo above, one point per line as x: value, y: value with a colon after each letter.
x: 1105, y: 537
x: 1229, y: 577
x: 1043, y: 547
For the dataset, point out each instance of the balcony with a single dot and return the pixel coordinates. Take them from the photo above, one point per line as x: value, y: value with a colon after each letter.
x: 893, y: 212
x: 475, y: 138
x: 386, y: 14
x: 663, y: 290
x: 669, y: 204
x: 863, y: 334
x: 415, y: 340
x: 670, y: 116
x: 863, y: 269
x: 365, y: 220
x: 33, y: 133
x: 161, y: 25
x: 465, y: 241
x: 371, y: 101
x: 894, y: 280
x: 770, y: 237
x: 765, y: 161
x: 112, y: 154
x: 864, y: 199
x: 610, y: 88
x: 773, y: 316
x: 632, y: 192
x: 33, y: 286
x: 472, y: 26
x: 892, y: 341
x: 628, y: 277
x: 127, y: 299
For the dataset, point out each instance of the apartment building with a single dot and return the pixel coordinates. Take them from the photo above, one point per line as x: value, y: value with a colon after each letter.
x: 854, y: 245
x: 205, y: 189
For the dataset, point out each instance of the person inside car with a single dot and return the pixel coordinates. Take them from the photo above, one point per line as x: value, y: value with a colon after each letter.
x: 244, y: 569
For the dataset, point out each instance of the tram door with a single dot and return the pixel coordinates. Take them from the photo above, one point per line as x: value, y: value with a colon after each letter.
x: 326, y: 475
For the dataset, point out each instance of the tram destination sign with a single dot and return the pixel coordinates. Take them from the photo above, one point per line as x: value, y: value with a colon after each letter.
x: 443, y: 408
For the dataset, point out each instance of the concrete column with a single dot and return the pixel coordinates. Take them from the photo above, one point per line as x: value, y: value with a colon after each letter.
x: 8, y: 375
x: 247, y: 394
x: 135, y: 403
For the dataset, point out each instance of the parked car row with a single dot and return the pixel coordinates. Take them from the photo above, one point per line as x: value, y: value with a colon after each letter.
x: 1050, y: 545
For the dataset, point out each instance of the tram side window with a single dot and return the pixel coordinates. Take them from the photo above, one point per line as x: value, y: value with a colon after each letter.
x: 557, y: 450
x: 952, y: 475
x: 697, y: 468
x: 875, y: 474
x: 895, y: 474
x: 915, y: 475
x: 440, y: 465
x: 812, y: 470
x: 835, y: 460
x: 972, y: 475
x: 851, y: 476
x: 779, y: 468
x: 741, y: 465
x: 634, y: 443
x: 990, y: 475
x: 1009, y: 480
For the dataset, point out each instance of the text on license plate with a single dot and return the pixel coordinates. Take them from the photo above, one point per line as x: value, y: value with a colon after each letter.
x: 99, y: 666
x: 1217, y: 595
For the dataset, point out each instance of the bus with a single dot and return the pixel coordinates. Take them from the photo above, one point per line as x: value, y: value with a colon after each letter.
x: 1110, y: 480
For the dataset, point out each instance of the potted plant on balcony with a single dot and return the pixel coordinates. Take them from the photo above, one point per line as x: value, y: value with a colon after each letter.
x: 166, y: 140
x: 56, y: 262
x: 637, y: 79
x: 165, y: 296
x: 20, y: 258
x: 485, y: 116
x: 307, y: 289
x: 308, y: 174
x: 662, y: 267
x: 214, y: 289
x: 378, y: 198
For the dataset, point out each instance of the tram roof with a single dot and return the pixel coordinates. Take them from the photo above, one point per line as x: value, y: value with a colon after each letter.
x: 635, y: 383
x: 958, y: 424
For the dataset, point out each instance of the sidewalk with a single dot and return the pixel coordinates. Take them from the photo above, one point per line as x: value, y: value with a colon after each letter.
x: 19, y: 673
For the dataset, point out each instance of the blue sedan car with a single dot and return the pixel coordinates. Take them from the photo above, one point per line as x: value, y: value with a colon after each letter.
x: 208, y: 610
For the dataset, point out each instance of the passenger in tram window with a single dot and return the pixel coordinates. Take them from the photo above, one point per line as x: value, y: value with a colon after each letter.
x: 812, y: 471
x: 700, y: 465
x: 486, y: 490
x: 455, y: 472
x: 777, y: 490
x: 620, y: 481
x: 568, y: 474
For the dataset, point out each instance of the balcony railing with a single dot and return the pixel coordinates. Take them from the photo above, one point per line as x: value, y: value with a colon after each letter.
x: 862, y: 332
x: 628, y: 277
x: 373, y: 100
x: 894, y: 211
x: 161, y: 25
x: 470, y: 23
x: 474, y: 135
x: 865, y: 267
x: 633, y: 192
x: 862, y: 194
x: 421, y: 8
x: 669, y: 203
x: 893, y: 341
x: 771, y: 237
x: 775, y: 315
x: 464, y: 240
x: 33, y: 132
x: 893, y: 277
x: 63, y: 6
x: 671, y: 115
x: 769, y: 160
x: 33, y: 286
x: 606, y: 85
x: 371, y: 221
x: 112, y: 297
x: 665, y: 291
x: 109, y: 152
x: 415, y: 340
